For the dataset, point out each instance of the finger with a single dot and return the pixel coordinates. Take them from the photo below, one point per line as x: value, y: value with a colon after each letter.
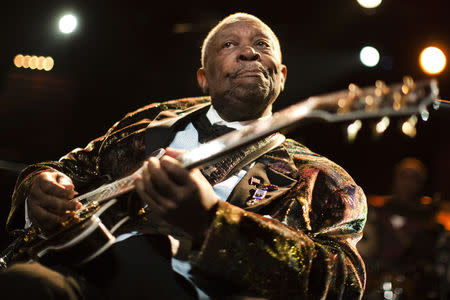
x: 174, y: 170
x: 140, y: 189
x: 160, y: 182
x: 197, y: 176
x: 174, y: 152
x: 65, y: 181
x: 151, y: 194
x: 158, y: 208
x: 146, y: 183
x: 44, y: 218
x: 49, y: 185
x: 54, y: 203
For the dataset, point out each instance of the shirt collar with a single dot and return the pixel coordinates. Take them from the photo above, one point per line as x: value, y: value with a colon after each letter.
x: 214, y: 118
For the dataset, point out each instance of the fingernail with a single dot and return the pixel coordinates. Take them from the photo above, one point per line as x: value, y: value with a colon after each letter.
x: 66, y: 182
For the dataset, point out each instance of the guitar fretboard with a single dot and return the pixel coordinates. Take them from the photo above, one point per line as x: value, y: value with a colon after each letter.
x: 108, y: 191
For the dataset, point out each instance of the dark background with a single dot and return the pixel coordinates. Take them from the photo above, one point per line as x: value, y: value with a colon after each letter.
x: 125, y: 54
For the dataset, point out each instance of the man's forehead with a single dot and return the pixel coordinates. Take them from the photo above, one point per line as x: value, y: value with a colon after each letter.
x: 229, y: 26
x: 246, y: 26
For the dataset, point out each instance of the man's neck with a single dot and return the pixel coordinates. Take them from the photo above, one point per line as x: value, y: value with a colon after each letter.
x: 215, y: 118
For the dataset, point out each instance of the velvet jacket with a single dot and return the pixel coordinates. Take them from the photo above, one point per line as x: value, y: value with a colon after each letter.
x: 304, y: 250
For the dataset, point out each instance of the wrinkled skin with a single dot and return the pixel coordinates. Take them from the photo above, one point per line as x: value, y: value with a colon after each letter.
x: 50, y: 199
x: 243, y: 71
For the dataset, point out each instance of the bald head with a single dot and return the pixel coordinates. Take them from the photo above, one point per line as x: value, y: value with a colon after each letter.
x: 234, y: 18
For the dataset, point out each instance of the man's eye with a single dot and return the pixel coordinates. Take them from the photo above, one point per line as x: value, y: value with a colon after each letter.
x: 262, y: 44
x: 227, y: 44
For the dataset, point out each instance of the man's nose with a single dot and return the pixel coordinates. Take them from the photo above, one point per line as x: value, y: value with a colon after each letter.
x: 248, y: 53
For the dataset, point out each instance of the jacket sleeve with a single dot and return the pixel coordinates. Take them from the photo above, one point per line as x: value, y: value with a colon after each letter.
x: 86, y: 166
x: 113, y: 155
x: 79, y: 165
x: 305, y: 250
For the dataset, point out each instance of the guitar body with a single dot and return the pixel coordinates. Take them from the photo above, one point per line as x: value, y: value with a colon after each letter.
x: 80, y: 240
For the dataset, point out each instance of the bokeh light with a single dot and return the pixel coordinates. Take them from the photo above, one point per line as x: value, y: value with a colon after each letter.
x: 432, y: 60
x: 48, y: 63
x: 369, y: 56
x: 34, y: 62
x: 369, y: 3
x: 18, y: 60
x: 67, y: 24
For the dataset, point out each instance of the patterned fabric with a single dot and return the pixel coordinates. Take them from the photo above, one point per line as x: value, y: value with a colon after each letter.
x: 298, y: 242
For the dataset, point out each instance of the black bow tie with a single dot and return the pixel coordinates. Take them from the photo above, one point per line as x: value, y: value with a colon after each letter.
x: 206, y: 131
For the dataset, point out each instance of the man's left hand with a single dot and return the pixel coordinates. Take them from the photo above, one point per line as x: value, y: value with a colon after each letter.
x: 179, y: 196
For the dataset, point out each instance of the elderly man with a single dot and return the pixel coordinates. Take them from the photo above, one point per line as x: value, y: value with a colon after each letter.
x: 283, y: 226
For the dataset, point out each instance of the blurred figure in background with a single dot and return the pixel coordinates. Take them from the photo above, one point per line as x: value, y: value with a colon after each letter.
x: 403, y: 242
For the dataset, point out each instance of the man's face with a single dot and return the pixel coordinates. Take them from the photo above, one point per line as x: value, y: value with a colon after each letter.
x: 243, y: 71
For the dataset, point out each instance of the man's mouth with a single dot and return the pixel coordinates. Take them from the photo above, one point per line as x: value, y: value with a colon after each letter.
x: 246, y: 71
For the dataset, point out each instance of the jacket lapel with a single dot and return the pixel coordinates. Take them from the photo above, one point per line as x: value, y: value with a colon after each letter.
x: 264, y: 176
x: 162, y: 129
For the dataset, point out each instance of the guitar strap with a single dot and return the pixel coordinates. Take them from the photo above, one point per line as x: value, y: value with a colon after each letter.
x: 160, y: 133
x: 225, y: 166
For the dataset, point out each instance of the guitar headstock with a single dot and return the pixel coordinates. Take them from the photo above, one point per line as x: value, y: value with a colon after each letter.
x: 380, y: 101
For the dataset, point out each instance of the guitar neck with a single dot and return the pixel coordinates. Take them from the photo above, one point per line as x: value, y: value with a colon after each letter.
x: 355, y: 103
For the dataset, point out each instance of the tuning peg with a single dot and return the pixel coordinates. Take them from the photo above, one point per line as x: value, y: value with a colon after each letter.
x: 370, y: 103
x: 352, y: 130
x: 409, y: 126
x: 382, y: 125
x: 408, y: 84
x: 424, y: 114
x: 398, y: 100
x: 436, y: 104
x: 381, y: 88
x: 354, y: 91
x: 343, y: 105
x: 409, y: 81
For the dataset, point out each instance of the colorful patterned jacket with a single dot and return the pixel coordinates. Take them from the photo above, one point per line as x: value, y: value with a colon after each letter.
x: 304, y: 250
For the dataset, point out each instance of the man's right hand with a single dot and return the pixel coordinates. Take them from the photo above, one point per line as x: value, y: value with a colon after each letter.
x: 50, y: 199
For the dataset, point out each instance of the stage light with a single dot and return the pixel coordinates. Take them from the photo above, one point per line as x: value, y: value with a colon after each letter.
x: 40, y: 64
x: 369, y: 56
x: 67, y: 24
x: 18, y: 60
x: 26, y: 61
x: 34, y: 62
x: 369, y: 3
x: 48, y: 63
x: 432, y: 60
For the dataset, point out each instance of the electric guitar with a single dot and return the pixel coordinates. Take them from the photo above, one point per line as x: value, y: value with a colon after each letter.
x: 85, y: 235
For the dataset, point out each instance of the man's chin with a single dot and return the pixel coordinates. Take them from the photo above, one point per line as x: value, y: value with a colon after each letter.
x: 250, y: 93
x: 242, y: 108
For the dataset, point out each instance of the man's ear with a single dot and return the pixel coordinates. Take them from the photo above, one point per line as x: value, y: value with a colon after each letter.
x: 201, y: 80
x: 283, y: 76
